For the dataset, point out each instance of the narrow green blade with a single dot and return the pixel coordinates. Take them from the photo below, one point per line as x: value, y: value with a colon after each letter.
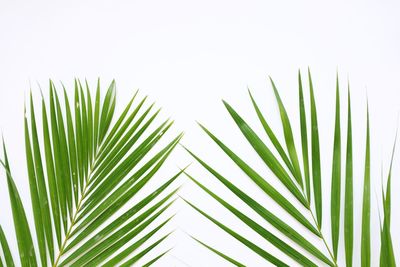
x: 58, y: 162
x: 348, y: 200
x: 36, y: 206
x: 51, y: 176
x: 315, y: 155
x: 304, y: 139
x: 64, y: 156
x: 72, y: 149
x: 79, y: 137
x: 89, y: 110
x: 288, y: 133
x: 85, y: 136
x: 96, y: 122
x: 154, y: 260
x: 387, y: 257
x: 42, y: 189
x: 22, y: 231
x: 6, y: 249
x: 107, y: 112
x: 336, y: 173
x: 388, y: 196
x: 222, y: 255
x: 366, y: 209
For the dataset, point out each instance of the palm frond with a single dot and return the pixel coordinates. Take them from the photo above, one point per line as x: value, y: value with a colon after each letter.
x: 302, y: 182
x: 83, y: 172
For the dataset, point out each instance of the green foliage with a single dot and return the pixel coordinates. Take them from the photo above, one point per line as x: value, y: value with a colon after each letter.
x: 83, y: 169
x: 296, y: 177
x: 85, y: 165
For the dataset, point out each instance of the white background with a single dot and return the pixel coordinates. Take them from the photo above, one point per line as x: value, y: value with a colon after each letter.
x: 187, y: 55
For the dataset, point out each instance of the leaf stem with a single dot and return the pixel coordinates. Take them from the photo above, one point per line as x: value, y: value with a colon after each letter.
x: 322, y: 237
x: 78, y: 207
x: 67, y: 236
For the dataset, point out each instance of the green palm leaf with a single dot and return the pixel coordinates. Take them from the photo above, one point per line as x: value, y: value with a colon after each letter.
x: 9, y: 261
x: 263, y: 253
x: 348, y: 200
x: 85, y: 168
x: 296, y: 179
x: 304, y: 138
x: 336, y: 177
x: 366, y: 207
x: 22, y: 231
x: 222, y: 255
x: 387, y: 257
x: 315, y: 155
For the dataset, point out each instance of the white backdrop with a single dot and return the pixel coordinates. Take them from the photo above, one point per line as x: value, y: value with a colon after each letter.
x: 187, y: 55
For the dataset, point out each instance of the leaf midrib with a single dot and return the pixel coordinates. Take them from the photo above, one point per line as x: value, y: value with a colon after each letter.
x: 74, y: 218
x: 82, y: 197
